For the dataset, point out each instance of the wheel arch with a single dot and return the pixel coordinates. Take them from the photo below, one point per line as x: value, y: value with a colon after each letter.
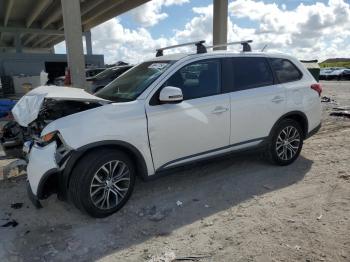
x: 298, y: 116
x: 134, y: 154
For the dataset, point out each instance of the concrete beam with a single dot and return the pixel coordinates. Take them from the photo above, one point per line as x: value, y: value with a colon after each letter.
x: 42, y: 40
x: 74, y: 44
x: 53, y: 17
x: 18, y: 44
x: 38, y: 8
x: 29, y: 39
x: 85, y: 7
x: 88, y: 42
x: 8, y: 11
x: 52, y: 41
x: 31, y: 30
x: 220, y: 13
x: 98, y: 16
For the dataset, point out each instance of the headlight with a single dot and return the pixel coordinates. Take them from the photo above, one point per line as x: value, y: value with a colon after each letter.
x: 48, y: 138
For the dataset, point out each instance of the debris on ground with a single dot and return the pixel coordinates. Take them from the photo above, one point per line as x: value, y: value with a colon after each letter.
x: 191, y: 258
x: 326, y: 99
x: 345, y: 113
x: 157, y: 216
x: 345, y: 176
x: 178, y: 203
x: 14, y: 169
x: 165, y: 257
x: 153, y: 214
x: 17, y: 205
x: 12, y: 223
x: 319, y: 217
x: 341, y: 108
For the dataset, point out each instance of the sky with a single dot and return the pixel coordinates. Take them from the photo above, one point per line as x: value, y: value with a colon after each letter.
x: 309, y: 29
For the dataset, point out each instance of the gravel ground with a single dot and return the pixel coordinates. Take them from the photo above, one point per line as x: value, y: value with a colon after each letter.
x: 232, y: 209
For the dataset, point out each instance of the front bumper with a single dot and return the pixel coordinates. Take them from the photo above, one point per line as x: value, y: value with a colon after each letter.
x: 33, y: 198
x: 41, y: 164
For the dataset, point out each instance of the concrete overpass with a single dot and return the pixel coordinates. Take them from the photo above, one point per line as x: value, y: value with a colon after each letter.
x: 37, y: 25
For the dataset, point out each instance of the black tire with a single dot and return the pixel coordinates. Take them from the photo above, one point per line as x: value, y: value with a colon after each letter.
x: 84, y: 174
x: 274, y: 149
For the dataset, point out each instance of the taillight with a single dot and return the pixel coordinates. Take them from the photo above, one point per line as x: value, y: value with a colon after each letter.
x: 317, y: 88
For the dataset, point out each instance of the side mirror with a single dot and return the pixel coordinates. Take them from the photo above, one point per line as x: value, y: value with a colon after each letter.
x: 171, y: 94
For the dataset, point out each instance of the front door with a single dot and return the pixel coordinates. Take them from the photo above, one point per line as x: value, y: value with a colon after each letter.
x: 196, y: 127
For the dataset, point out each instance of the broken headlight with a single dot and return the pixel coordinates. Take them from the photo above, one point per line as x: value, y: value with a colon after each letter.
x: 47, y: 139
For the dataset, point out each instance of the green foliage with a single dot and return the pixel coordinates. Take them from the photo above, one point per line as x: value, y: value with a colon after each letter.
x: 335, y: 64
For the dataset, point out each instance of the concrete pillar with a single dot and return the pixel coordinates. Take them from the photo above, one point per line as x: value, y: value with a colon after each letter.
x: 18, y: 44
x: 74, y: 44
x: 88, y: 42
x: 220, y: 13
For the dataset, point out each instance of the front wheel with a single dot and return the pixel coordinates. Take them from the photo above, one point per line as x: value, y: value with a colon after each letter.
x: 286, y: 143
x: 102, y: 182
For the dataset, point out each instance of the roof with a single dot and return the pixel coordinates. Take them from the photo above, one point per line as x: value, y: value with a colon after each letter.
x: 40, y: 21
x: 178, y: 56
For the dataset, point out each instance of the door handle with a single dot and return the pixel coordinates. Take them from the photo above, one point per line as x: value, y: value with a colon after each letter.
x: 277, y: 99
x: 219, y: 110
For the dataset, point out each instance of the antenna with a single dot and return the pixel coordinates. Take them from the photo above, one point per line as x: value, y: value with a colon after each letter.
x: 263, y: 49
x: 199, y: 44
x: 245, y: 44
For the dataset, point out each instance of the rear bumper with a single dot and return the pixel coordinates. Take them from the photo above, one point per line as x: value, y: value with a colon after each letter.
x: 313, y: 131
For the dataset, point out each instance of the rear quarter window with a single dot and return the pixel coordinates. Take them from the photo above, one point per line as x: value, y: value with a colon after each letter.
x: 285, y: 70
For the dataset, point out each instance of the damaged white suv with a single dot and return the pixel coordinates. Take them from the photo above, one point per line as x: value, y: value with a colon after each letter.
x: 165, y: 112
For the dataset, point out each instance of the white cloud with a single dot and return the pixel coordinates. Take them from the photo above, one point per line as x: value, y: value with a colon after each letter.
x: 150, y: 14
x: 307, y: 31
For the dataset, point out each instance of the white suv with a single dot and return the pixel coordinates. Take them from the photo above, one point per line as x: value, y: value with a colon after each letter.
x: 166, y: 112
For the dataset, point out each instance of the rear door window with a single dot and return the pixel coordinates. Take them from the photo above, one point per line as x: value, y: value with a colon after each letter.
x: 285, y: 70
x: 250, y: 72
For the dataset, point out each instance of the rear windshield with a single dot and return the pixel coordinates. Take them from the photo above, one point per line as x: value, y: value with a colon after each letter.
x: 131, y: 84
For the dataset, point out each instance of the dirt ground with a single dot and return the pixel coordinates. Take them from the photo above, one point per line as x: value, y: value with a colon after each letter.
x: 233, y: 209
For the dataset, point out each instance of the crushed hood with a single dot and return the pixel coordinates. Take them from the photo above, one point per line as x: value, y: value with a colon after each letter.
x: 28, y: 107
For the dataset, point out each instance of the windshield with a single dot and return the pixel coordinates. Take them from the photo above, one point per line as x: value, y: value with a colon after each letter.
x: 104, y: 73
x: 131, y: 84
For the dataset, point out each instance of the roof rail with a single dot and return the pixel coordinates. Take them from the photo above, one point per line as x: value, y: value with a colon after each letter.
x: 245, y: 44
x: 199, y: 44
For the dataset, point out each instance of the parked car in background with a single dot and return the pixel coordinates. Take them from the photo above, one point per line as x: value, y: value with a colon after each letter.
x: 329, y: 73
x: 345, y: 75
x: 89, y: 72
x: 339, y: 74
x: 163, y: 113
x: 100, y: 80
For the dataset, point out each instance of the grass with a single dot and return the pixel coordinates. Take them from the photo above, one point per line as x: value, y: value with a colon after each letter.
x: 335, y: 64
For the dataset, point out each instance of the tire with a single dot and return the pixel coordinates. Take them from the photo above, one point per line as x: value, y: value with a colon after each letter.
x: 283, y: 149
x: 93, y: 190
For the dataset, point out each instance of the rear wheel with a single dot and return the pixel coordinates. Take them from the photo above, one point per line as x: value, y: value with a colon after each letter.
x: 286, y: 143
x: 102, y: 182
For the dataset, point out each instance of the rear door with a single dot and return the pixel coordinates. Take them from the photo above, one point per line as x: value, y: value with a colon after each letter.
x: 257, y: 101
x: 196, y: 127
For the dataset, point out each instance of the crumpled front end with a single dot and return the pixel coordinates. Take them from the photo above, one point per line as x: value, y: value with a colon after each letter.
x: 46, y: 161
x: 42, y: 164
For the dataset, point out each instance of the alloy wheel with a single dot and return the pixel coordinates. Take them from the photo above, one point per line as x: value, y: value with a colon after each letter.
x: 110, y: 184
x: 288, y: 143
